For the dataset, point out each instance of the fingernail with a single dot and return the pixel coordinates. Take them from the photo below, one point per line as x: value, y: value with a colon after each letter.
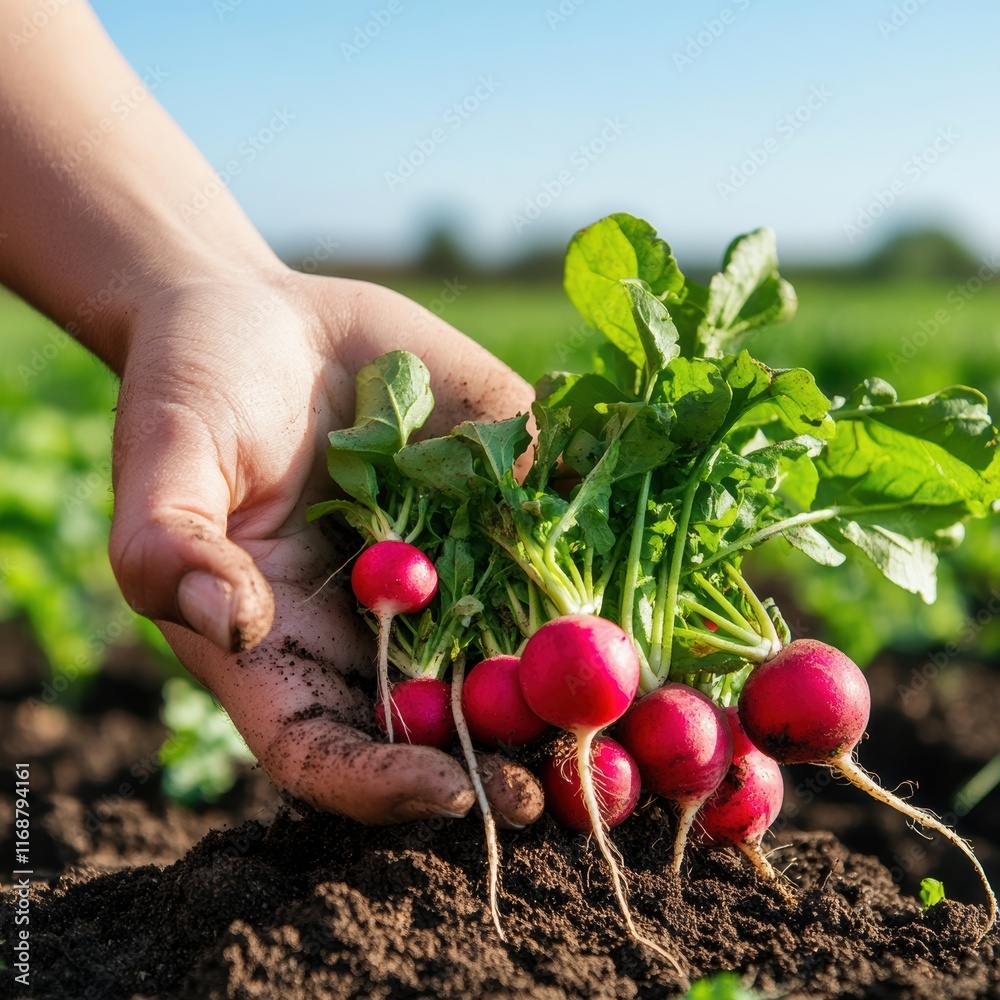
x: 208, y: 605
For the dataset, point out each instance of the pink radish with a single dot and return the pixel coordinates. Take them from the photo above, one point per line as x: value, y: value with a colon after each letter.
x: 421, y: 708
x: 683, y: 745
x: 580, y: 673
x: 494, y: 706
x: 810, y: 704
x: 392, y: 578
x: 615, y: 776
x: 747, y: 802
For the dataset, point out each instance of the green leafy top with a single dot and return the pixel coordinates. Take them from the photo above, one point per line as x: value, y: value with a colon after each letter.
x: 654, y: 474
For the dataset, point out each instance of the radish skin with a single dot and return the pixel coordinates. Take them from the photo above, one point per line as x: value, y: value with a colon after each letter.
x: 580, y: 673
x: 810, y: 704
x: 614, y: 772
x: 421, y: 708
x: 683, y: 745
x: 392, y: 578
x: 746, y: 803
x: 494, y: 707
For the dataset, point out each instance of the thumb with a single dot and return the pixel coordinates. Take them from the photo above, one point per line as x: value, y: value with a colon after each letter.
x: 169, y: 549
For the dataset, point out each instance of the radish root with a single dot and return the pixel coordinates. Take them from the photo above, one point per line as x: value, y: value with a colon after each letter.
x: 384, y: 626
x: 583, y: 747
x: 492, y: 846
x: 766, y: 870
x: 684, y: 823
x: 857, y: 776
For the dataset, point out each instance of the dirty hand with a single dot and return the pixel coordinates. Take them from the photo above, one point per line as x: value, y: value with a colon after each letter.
x: 228, y: 392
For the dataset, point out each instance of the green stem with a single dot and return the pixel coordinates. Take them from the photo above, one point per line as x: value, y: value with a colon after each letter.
x: 534, y: 622
x: 677, y: 560
x: 807, y: 517
x: 578, y: 583
x: 725, y: 690
x: 634, y: 553
x: 648, y: 680
x: 721, y: 600
x: 404, y: 512
x: 419, y: 526
x: 605, y: 578
x: 767, y: 629
x: 517, y: 608
x: 748, y: 541
x: 757, y: 653
x: 747, y: 635
x: 489, y: 643
x: 656, y: 632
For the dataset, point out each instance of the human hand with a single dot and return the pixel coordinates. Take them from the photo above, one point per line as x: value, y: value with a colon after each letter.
x: 228, y: 391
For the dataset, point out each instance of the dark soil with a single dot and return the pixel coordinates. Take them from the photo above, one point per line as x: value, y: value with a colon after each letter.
x: 278, y: 906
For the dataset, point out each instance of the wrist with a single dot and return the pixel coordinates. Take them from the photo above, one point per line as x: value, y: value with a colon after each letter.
x: 137, y: 303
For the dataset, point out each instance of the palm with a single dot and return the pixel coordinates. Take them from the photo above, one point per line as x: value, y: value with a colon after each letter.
x: 260, y: 440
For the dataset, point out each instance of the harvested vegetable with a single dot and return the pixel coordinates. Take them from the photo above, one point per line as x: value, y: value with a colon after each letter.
x: 615, y: 566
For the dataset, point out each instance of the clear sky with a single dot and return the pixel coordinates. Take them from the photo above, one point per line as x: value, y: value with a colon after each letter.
x: 695, y: 115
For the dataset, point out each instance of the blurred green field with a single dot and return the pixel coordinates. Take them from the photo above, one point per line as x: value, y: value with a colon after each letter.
x: 57, y: 413
x: 843, y: 332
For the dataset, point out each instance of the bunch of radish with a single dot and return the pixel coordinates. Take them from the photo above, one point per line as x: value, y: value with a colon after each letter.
x: 597, y: 607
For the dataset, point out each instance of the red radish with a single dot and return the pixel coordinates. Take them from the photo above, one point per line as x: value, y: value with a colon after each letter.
x: 747, y: 802
x: 421, y: 708
x: 392, y: 578
x: 749, y: 798
x: 581, y: 672
x: 810, y: 704
x: 494, y: 706
x: 615, y: 775
x: 683, y: 745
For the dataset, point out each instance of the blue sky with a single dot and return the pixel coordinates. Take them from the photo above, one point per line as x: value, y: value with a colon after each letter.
x: 698, y: 119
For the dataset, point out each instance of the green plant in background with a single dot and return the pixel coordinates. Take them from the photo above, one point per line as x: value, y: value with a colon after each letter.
x: 721, y: 986
x: 55, y: 498
x: 201, y: 757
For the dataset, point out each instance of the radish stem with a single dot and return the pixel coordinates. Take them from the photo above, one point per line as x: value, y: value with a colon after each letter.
x: 857, y: 776
x: 492, y: 847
